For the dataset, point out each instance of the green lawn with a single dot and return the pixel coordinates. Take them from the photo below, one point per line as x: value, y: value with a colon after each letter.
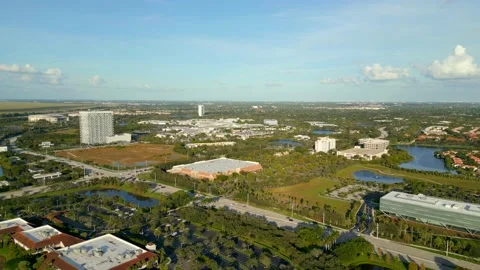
x: 363, y: 259
x: 437, y: 179
x: 310, y: 192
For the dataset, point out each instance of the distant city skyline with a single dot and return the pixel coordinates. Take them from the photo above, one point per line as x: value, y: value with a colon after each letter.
x: 269, y: 50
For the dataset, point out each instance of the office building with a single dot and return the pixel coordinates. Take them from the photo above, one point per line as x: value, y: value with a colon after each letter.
x: 106, y: 252
x: 95, y: 126
x: 52, y: 118
x: 325, y: 144
x: 374, y: 144
x: 43, y: 238
x: 362, y: 153
x: 201, y: 110
x: 430, y: 210
x: 270, y: 122
x: 13, y: 226
x: 210, y: 169
x: 121, y: 138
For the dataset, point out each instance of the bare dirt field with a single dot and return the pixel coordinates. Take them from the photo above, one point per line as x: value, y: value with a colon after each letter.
x: 128, y: 155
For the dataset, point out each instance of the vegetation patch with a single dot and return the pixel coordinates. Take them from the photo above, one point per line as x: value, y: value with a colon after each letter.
x: 431, y: 177
x: 312, y: 192
x: 128, y: 155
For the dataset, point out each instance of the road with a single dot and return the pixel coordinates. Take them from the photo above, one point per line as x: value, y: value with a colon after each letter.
x: 383, y: 133
x: 430, y: 260
x: 279, y: 219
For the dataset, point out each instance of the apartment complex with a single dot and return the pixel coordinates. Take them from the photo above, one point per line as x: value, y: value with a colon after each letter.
x: 431, y: 210
x: 43, y: 238
x: 201, y: 110
x: 95, y: 126
x: 374, y: 144
x: 325, y: 144
x: 52, y: 118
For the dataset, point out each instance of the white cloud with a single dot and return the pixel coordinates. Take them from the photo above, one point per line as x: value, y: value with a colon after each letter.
x: 147, y: 86
x: 97, y: 81
x: 387, y: 73
x: 458, y: 65
x: 341, y: 80
x: 30, y: 74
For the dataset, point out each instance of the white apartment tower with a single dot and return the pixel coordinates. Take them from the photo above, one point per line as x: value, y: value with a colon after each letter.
x: 201, y: 110
x: 325, y: 144
x: 95, y: 126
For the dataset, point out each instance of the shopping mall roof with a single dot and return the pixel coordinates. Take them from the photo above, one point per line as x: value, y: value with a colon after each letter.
x: 219, y: 165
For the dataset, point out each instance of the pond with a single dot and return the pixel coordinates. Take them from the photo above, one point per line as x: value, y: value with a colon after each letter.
x: 369, y: 176
x: 129, y: 197
x: 285, y: 142
x: 323, y: 132
x: 424, y: 159
x: 1, y: 172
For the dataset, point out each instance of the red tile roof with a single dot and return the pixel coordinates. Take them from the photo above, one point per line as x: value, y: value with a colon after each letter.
x: 65, y: 239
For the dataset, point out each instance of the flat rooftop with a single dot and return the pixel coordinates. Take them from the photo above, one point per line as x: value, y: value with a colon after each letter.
x: 41, y: 233
x: 15, y: 222
x: 362, y: 151
x: 218, y: 165
x: 434, y: 203
x: 104, y: 252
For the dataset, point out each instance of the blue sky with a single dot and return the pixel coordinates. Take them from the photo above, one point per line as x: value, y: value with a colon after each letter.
x: 272, y: 50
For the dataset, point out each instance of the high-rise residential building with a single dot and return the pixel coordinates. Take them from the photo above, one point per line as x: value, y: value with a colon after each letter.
x: 325, y: 144
x: 201, y: 110
x: 95, y: 126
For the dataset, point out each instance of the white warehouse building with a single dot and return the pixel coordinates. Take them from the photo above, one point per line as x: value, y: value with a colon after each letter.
x: 95, y: 126
x: 125, y: 137
x: 325, y: 144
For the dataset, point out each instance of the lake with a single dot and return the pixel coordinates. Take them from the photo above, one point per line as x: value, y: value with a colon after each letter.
x: 285, y: 142
x: 369, y: 176
x: 424, y: 159
x: 322, y: 132
x: 129, y: 197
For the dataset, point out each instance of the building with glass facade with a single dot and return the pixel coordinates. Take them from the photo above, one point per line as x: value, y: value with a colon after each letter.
x: 431, y: 210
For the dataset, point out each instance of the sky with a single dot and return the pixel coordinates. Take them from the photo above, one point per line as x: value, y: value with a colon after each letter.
x: 259, y: 50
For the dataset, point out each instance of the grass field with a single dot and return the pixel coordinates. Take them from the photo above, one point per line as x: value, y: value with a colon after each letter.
x: 130, y: 155
x: 310, y: 191
x: 68, y: 131
x: 11, y: 106
x: 437, y: 179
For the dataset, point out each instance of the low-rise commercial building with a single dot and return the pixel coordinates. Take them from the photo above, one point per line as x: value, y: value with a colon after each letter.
x: 270, y: 122
x: 46, y: 145
x: 374, y: 144
x: 358, y: 152
x: 210, y: 169
x: 13, y: 226
x: 325, y: 144
x: 195, y: 145
x: 124, y: 138
x: 3, y: 149
x: 43, y: 238
x: 39, y: 176
x: 106, y: 252
x: 302, y: 137
x: 52, y: 118
x: 431, y: 210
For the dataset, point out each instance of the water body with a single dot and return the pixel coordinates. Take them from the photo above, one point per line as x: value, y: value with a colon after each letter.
x: 1, y: 172
x: 131, y: 198
x: 322, y: 132
x: 424, y: 159
x: 285, y: 142
x: 369, y: 176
